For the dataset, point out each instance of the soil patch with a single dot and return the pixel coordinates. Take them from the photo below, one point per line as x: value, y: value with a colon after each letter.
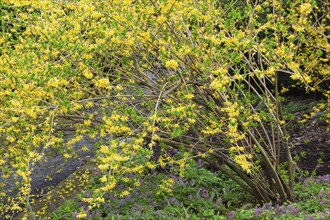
x: 310, y: 140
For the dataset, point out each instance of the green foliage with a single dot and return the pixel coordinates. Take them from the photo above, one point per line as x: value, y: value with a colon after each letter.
x: 312, y: 198
x: 65, y: 210
x: 204, y: 199
x: 199, y: 194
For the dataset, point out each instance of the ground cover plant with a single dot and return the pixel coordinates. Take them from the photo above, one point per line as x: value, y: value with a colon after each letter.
x: 202, y: 194
x: 157, y: 85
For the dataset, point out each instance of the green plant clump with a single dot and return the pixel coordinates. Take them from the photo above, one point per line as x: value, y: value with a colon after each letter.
x: 203, y: 194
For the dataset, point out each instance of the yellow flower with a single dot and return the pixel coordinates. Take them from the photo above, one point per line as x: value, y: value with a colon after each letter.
x: 295, y: 76
x: 150, y: 165
x: 87, y: 122
x: 306, y: 8
x: 86, y: 56
x: 161, y: 19
x: 103, y: 179
x: 81, y: 215
x: 236, y: 148
x: 96, y: 15
x: 88, y: 74
x: 170, y: 180
x: 189, y: 96
x: 104, y: 149
x: 137, y: 183
x: 242, y: 161
x: 125, y: 179
x: 293, y: 66
x: 124, y: 194
x: 111, y: 185
x: 161, y: 162
x: 126, y: 2
x: 66, y: 155
x: 54, y: 83
x: 103, y: 83
x: 172, y: 64
x: 284, y: 90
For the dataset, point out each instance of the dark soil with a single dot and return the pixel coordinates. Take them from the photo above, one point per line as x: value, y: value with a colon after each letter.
x: 310, y: 140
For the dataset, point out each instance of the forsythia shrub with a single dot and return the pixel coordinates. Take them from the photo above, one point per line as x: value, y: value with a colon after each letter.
x: 197, y: 77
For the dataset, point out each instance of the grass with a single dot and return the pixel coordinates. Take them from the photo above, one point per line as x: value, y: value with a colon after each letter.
x: 202, y: 194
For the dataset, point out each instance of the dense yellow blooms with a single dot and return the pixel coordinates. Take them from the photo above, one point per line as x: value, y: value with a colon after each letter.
x: 172, y: 64
x: 124, y: 72
x: 305, y: 8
